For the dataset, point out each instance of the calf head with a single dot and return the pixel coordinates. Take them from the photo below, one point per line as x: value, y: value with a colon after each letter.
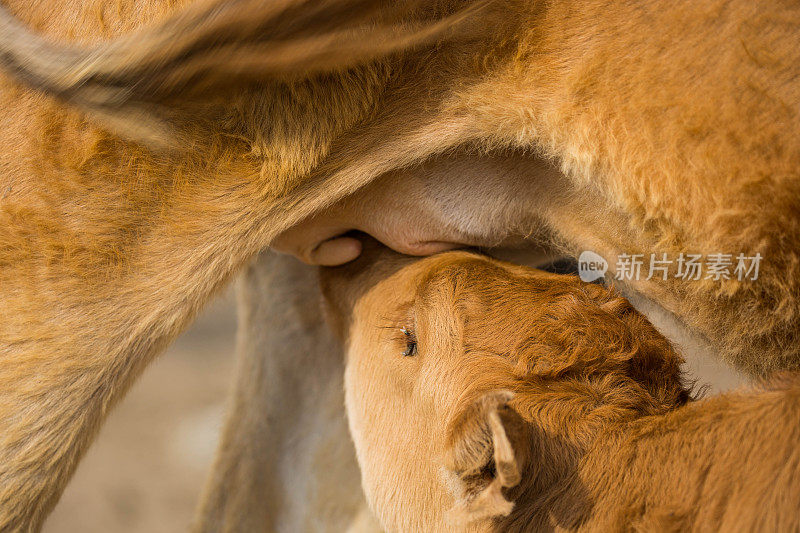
x: 471, y: 382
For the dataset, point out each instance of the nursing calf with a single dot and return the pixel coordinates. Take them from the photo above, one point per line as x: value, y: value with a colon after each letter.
x: 491, y: 397
x: 289, y: 123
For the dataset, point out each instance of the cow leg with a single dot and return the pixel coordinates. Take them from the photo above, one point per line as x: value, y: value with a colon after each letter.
x: 285, y: 462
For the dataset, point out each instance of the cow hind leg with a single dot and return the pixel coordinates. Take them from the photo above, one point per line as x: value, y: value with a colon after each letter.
x: 285, y: 462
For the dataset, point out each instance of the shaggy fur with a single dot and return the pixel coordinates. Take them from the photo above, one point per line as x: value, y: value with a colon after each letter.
x: 535, y: 401
x: 675, y: 125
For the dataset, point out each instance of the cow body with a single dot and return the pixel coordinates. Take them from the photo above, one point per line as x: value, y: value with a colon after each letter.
x: 140, y: 175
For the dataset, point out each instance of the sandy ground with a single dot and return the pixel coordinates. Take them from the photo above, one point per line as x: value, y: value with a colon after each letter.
x: 145, y: 472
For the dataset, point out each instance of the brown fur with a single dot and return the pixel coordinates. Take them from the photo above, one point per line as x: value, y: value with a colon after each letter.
x: 108, y: 248
x: 535, y: 401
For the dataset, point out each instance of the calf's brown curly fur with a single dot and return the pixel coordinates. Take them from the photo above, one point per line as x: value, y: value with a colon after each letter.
x: 535, y: 401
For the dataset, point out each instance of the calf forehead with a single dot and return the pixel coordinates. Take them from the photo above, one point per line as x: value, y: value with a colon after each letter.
x: 454, y: 310
x: 493, y: 303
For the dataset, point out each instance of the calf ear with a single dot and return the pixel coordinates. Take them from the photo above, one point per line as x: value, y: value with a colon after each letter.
x: 481, y: 461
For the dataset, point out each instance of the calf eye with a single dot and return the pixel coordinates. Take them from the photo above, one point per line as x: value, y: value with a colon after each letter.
x: 411, y: 343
